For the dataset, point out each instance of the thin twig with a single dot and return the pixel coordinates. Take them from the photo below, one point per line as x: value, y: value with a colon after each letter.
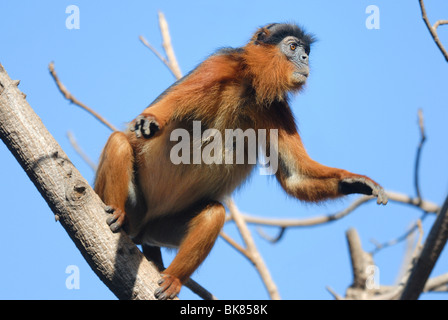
x: 419, y: 152
x: 164, y: 30
x: 433, y: 29
x: 439, y: 23
x: 157, y: 53
x: 170, y: 62
x: 397, y: 291
x: 81, y: 152
x: 269, y: 238
x: 253, y: 251
x: 236, y: 245
x: 404, y: 236
x: 335, y: 295
x: 72, y: 99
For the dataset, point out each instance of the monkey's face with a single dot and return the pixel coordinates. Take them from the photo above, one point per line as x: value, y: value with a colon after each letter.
x: 297, y: 53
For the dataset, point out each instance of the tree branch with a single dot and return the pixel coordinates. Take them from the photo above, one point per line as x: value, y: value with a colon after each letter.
x: 433, y: 29
x: 424, y: 205
x: 168, y: 47
x: 437, y: 284
x: 434, y: 244
x: 419, y: 152
x: 113, y: 257
x: 72, y: 99
x: 170, y: 61
x: 252, y: 251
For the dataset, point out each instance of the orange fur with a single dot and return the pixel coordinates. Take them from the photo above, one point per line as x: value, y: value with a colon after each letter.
x: 270, y: 72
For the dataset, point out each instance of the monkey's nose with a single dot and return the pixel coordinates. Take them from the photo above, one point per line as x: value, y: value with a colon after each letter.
x: 304, y: 58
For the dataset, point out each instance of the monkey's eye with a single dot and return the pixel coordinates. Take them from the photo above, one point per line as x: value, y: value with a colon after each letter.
x: 293, y: 46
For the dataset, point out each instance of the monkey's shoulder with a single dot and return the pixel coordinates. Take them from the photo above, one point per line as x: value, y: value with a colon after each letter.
x: 228, y: 51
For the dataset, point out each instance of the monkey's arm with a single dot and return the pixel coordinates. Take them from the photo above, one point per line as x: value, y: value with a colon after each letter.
x: 308, y: 180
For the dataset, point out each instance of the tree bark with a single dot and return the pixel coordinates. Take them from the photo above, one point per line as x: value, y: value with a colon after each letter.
x: 113, y: 257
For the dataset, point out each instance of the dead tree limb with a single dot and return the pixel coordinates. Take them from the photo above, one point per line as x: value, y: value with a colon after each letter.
x: 433, y: 29
x: 432, y: 248
x: 113, y: 257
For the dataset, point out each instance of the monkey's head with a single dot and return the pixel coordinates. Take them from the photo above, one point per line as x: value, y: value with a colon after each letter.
x: 293, y: 42
x: 277, y: 60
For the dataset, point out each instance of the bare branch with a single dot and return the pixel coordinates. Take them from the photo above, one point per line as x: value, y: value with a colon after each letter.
x: 434, y: 244
x: 170, y: 61
x: 113, y: 257
x: 406, y: 235
x: 424, y: 205
x: 433, y: 29
x: 393, y: 293
x: 335, y: 295
x: 157, y: 53
x: 269, y: 238
x: 419, y: 152
x: 72, y: 99
x: 439, y: 23
x: 81, y: 152
x: 437, y: 284
x: 234, y: 244
x: 174, y: 66
x: 359, y: 258
x: 308, y: 221
x: 252, y: 250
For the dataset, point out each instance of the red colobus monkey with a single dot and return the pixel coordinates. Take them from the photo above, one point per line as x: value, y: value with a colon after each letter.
x: 160, y: 203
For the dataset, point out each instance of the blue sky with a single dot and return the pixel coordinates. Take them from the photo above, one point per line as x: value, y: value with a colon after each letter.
x: 358, y: 112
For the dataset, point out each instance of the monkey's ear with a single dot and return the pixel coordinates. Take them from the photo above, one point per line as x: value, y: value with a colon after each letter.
x: 260, y: 35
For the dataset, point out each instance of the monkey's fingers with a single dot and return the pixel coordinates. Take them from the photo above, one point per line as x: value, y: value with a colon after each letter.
x: 117, y: 218
x: 169, y: 287
x: 145, y: 126
x: 380, y: 194
x: 364, y: 186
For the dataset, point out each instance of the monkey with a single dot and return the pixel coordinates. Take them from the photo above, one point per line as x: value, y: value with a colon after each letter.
x: 162, y: 204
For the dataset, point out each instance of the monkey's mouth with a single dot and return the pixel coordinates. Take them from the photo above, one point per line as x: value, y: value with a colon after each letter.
x: 300, y: 76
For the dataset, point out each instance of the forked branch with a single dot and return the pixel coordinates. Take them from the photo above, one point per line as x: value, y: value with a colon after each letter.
x: 433, y: 29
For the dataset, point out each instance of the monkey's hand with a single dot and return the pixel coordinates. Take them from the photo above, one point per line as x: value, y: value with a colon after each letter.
x: 363, y: 185
x: 169, y: 287
x: 144, y: 126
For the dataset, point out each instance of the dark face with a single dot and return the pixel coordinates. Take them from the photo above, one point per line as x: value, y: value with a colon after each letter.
x: 297, y: 53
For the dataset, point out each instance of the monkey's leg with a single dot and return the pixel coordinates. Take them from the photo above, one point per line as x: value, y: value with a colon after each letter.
x: 153, y: 254
x: 199, y: 239
x: 114, y: 176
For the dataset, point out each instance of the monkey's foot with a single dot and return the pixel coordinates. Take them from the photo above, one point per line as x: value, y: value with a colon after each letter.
x: 117, y: 218
x: 145, y: 126
x: 169, y: 287
x: 365, y: 186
